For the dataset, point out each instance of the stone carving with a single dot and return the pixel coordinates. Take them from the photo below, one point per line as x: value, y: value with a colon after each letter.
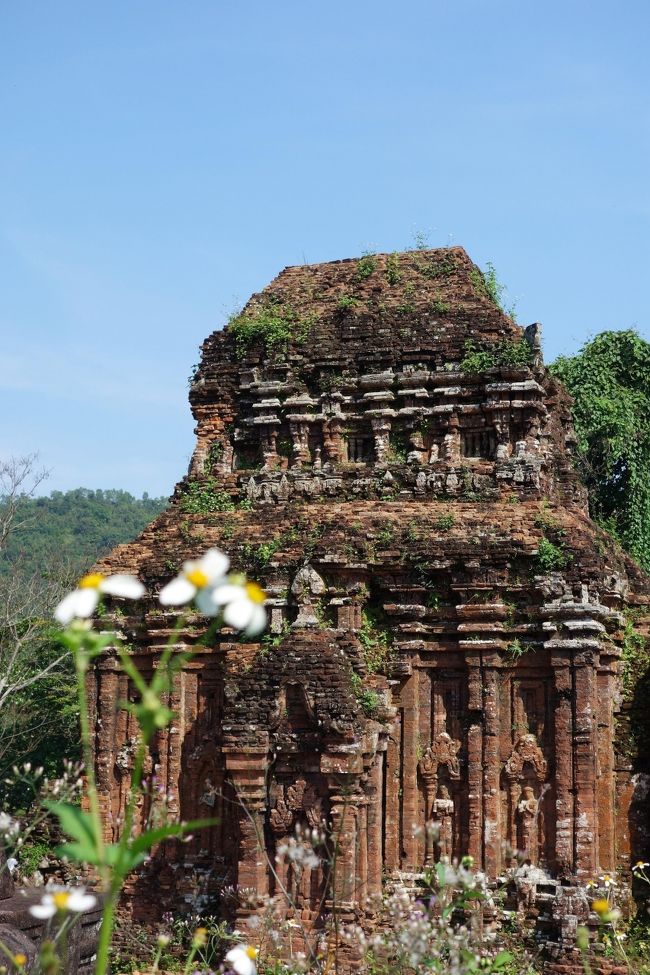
x: 527, y: 813
x: 443, y: 816
x: 416, y: 454
x: 443, y: 751
x: 307, y: 582
x: 526, y: 750
x: 526, y: 825
x: 209, y: 795
x: 290, y: 803
x: 306, y: 587
x: 126, y: 756
x: 381, y: 431
x: 527, y: 879
x: 441, y: 754
x: 281, y: 815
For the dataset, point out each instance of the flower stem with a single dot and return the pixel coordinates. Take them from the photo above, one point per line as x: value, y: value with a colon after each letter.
x: 81, y: 666
x: 121, y: 868
x: 106, y: 932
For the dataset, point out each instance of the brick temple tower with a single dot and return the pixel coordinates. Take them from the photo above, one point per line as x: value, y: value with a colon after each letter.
x: 382, y: 448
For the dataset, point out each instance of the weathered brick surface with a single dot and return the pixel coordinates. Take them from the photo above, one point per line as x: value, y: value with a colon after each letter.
x: 376, y: 475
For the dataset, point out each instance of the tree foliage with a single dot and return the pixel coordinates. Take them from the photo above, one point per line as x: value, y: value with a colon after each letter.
x: 72, y: 528
x: 609, y: 380
x: 45, y: 544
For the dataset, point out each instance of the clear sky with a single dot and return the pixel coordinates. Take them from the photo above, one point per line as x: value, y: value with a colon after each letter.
x: 162, y: 159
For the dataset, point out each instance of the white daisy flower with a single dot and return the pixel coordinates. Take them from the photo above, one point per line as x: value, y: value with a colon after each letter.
x: 241, y: 959
x: 8, y: 827
x: 83, y: 602
x: 196, y: 582
x: 74, y: 900
x: 243, y: 605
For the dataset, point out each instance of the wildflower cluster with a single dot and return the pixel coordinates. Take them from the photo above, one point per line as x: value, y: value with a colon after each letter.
x: 436, y: 930
x: 300, y: 849
x: 204, y: 582
x: 602, y: 889
x: 16, y: 834
x: 9, y: 827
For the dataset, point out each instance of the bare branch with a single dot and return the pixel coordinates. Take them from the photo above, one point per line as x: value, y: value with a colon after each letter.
x: 20, y: 477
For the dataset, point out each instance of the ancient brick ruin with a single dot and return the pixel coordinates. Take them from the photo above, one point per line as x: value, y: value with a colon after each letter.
x: 445, y: 619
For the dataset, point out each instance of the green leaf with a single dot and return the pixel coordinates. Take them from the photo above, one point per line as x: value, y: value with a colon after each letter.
x: 502, y: 959
x: 146, y: 840
x: 473, y: 895
x: 137, y: 850
x: 85, y: 853
x: 80, y: 853
x: 74, y: 821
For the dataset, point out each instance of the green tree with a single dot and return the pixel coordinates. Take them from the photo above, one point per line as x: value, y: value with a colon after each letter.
x: 609, y: 380
x: 69, y: 528
x: 46, y: 543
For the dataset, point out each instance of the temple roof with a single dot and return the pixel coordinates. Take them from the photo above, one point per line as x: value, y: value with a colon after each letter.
x: 379, y: 308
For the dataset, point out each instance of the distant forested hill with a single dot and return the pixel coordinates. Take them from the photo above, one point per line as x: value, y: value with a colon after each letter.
x: 72, y: 529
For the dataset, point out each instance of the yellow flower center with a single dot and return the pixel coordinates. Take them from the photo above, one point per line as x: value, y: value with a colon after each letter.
x: 61, y: 899
x: 252, y: 953
x: 600, y: 906
x: 91, y: 581
x: 255, y: 593
x: 198, y: 578
x: 20, y: 959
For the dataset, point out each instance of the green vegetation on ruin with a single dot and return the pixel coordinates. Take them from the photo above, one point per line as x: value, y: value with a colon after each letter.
x: 367, y: 698
x: 397, y: 447
x: 551, y: 557
x: 393, y: 272
x: 516, y: 649
x: 202, y: 496
x: 506, y: 353
x: 435, y: 266
x: 440, y: 306
x: 274, y: 324
x: 487, y: 284
x: 633, y: 732
x: 347, y: 302
x: 366, y: 266
x: 375, y: 639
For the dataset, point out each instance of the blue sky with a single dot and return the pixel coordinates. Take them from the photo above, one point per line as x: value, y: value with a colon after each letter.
x: 162, y: 160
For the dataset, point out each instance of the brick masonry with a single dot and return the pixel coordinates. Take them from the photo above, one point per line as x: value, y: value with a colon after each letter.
x: 386, y: 500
